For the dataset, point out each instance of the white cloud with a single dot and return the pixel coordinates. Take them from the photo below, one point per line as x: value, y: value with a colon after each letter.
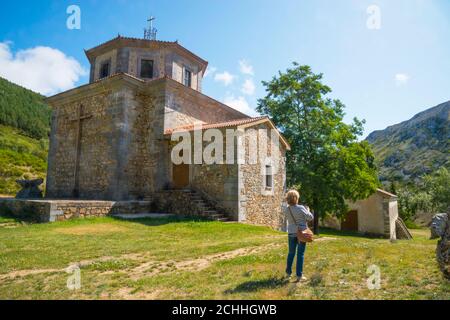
x: 41, y: 69
x: 248, y: 87
x: 210, y: 71
x: 246, y: 68
x: 401, y: 79
x: 225, y: 77
x: 239, y: 103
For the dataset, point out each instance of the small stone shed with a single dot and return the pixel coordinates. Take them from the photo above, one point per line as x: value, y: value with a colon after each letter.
x: 377, y: 215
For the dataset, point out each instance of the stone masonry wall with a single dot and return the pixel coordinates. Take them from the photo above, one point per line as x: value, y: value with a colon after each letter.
x: 42, y: 211
x: 218, y: 182
x: 122, y: 154
x: 96, y: 163
x: 145, y: 165
x: 258, y: 205
x: 110, y: 57
x: 185, y: 106
x: 34, y: 211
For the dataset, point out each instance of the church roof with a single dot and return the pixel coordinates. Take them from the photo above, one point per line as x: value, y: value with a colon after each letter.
x: 121, y: 41
x: 245, y: 122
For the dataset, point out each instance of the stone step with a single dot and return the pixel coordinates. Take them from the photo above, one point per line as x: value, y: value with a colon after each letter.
x: 205, y: 208
x: 222, y: 220
x: 216, y: 216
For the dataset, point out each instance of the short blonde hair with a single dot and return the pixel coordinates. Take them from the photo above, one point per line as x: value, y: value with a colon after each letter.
x: 292, y: 197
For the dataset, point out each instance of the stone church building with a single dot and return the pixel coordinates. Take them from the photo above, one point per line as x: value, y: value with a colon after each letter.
x: 111, y: 139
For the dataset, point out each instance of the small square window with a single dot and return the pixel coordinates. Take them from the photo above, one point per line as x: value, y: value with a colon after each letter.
x: 104, y: 70
x: 269, y: 177
x: 187, y: 78
x: 147, y: 69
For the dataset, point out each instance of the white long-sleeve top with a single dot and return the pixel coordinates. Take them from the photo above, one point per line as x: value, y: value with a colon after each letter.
x: 299, y: 218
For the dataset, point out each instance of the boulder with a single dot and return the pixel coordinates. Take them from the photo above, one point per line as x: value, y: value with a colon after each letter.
x: 440, y: 228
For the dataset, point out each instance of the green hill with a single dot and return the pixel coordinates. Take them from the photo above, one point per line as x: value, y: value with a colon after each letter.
x: 24, y: 128
x: 24, y: 109
x: 406, y: 151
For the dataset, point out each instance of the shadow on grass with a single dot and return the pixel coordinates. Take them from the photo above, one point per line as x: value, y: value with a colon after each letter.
x: 252, y: 286
x: 7, y: 219
x: 153, y: 222
x: 333, y: 232
x: 8, y: 216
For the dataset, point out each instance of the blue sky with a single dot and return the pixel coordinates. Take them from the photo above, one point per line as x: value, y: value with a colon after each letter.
x: 382, y: 75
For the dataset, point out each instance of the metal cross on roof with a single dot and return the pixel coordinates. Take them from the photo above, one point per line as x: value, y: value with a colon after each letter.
x: 150, y: 33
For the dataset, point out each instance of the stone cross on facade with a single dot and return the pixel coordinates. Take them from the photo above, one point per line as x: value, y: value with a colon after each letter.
x: 79, y: 120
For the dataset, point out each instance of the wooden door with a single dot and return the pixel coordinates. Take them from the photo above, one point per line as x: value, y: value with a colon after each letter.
x: 350, y: 222
x: 180, y: 176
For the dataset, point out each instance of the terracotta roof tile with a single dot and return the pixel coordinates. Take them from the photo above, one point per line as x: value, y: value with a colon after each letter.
x: 226, y: 124
x: 130, y: 38
x: 159, y: 42
x: 218, y: 125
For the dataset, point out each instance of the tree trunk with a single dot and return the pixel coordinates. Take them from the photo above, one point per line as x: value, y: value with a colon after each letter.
x: 316, y: 223
x: 316, y: 217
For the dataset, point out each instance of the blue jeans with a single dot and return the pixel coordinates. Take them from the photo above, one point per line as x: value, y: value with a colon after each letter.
x: 293, y: 246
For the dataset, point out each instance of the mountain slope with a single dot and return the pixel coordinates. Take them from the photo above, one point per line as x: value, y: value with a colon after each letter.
x: 20, y: 157
x: 24, y: 127
x: 410, y: 149
x: 24, y: 109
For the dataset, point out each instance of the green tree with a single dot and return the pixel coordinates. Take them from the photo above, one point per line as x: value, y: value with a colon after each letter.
x: 327, y: 162
x: 437, y: 186
x: 410, y: 200
x: 431, y: 194
x: 393, y: 188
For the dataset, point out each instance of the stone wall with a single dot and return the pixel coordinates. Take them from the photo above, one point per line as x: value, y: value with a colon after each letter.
x: 218, y: 182
x: 166, y: 62
x: 97, y: 163
x: 185, y: 106
x: 145, y: 153
x: 258, y: 204
x: 35, y: 211
x: 371, y: 214
x: 175, y: 202
x: 122, y: 152
x: 137, y: 54
x: 59, y: 210
x: 110, y: 57
x: 179, y: 64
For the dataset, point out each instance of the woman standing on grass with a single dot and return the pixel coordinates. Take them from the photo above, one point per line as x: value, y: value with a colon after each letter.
x: 297, y: 218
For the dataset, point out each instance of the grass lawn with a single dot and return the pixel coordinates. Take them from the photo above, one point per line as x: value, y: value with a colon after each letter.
x: 188, y: 259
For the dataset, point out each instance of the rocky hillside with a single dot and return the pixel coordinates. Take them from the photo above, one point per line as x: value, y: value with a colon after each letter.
x: 410, y: 149
x: 24, y: 127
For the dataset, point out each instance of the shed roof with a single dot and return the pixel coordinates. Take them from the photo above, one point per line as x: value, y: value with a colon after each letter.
x: 386, y: 194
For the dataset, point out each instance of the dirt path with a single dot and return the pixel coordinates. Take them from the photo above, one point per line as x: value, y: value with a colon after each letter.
x: 80, y: 264
x: 148, y: 268
x: 152, y: 267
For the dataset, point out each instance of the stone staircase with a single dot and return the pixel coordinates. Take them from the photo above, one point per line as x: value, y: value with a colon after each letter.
x: 205, y: 208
